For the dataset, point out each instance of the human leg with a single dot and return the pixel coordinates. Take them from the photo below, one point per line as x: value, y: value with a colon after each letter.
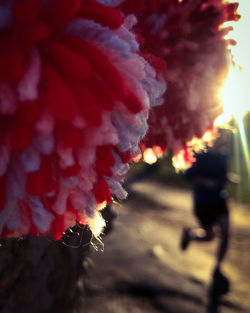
x: 224, y: 226
x: 196, y: 234
x: 205, y: 216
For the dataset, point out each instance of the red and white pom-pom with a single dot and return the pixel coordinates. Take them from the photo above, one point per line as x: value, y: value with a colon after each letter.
x: 74, y: 100
x: 189, y: 36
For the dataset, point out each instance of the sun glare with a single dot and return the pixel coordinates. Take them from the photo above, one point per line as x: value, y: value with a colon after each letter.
x: 234, y: 95
x: 149, y: 156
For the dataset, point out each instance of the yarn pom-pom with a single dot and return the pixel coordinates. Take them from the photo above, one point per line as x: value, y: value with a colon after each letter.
x: 190, y: 37
x: 74, y: 100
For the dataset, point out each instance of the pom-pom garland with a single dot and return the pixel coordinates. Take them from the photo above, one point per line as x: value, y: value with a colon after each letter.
x: 189, y: 36
x: 74, y: 100
x: 75, y: 94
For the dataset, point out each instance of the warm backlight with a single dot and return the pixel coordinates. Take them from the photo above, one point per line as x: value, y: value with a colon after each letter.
x: 235, y: 98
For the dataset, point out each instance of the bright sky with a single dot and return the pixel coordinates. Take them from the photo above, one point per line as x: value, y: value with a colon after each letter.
x: 242, y: 34
x: 235, y: 94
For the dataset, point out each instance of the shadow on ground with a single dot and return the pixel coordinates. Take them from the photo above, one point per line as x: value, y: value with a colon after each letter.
x: 158, y: 295
x: 142, y: 270
x: 219, y: 286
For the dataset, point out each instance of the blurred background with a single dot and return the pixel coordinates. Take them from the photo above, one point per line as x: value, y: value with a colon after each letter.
x: 142, y: 268
x: 239, y: 161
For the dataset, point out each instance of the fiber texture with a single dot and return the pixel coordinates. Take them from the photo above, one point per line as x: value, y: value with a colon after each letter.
x: 189, y: 37
x: 75, y: 94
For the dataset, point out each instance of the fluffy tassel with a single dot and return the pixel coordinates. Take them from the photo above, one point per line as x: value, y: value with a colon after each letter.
x: 74, y: 100
x: 189, y: 37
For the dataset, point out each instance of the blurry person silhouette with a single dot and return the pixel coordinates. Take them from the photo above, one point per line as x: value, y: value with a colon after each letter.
x: 209, y: 176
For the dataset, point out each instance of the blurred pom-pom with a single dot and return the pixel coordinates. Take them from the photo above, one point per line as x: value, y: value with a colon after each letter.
x: 189, y: 36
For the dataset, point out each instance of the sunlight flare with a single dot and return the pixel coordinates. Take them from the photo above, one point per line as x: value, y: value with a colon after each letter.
x: 149, y: 156
x: 244, y: 146
x: 234, y: 95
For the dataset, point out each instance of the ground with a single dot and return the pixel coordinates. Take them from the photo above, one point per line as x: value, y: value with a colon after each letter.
x: 142, y: 269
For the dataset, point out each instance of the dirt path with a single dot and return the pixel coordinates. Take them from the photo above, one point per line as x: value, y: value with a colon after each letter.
x: 143, y: 270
